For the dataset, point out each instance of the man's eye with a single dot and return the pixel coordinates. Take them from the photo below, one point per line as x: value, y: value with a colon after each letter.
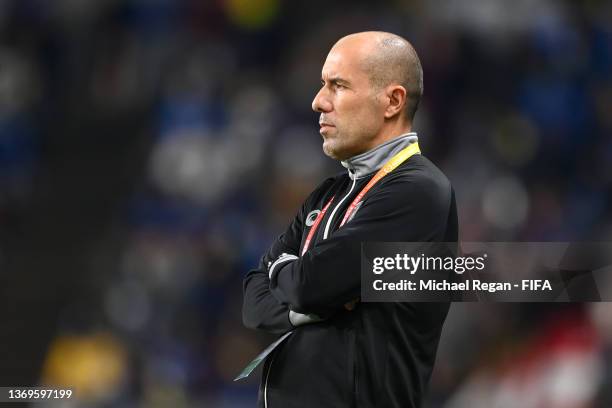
x: 339, y: 86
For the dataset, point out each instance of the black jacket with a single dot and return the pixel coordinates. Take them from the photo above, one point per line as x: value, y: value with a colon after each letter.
x: 379, y: 354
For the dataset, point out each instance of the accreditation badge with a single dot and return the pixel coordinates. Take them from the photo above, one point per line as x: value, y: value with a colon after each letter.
x: 261, y: 357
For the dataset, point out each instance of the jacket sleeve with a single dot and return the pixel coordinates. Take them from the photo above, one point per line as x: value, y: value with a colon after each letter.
x: 406, y: 209
x: 260, y: 309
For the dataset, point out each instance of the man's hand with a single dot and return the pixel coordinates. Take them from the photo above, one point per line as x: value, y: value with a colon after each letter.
x: 299, y: 319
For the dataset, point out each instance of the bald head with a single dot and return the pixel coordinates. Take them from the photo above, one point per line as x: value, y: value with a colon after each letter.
x: 371, y: 84
x: 389, y: 59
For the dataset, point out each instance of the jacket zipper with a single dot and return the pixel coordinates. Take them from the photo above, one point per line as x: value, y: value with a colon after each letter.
x: 331, y: 216
x: 325, y: 234
x: 266, y: 382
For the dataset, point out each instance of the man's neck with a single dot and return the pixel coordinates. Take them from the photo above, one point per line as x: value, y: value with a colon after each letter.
x: 389, y: 133
x: 365, y: 163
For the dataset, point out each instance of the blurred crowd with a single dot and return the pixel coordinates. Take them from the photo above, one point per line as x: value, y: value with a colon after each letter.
x: 151, y: 150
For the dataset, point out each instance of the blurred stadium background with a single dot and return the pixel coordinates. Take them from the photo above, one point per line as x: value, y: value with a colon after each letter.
x: 150, y: 150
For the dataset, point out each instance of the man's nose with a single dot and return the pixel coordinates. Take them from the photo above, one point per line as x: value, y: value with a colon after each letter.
x: 321, y: 102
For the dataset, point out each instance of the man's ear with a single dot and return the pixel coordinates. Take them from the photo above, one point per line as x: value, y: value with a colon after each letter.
x: 396, y: 95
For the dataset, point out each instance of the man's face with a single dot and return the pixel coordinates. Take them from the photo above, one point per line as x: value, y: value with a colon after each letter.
x: 351, y: 112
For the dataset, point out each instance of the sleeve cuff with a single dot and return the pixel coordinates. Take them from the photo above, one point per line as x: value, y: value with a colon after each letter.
x: 281, y: 260
x: 298, y: 319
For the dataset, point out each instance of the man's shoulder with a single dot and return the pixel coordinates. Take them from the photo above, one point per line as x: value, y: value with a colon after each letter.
x: 420, y: 172
x: 418, y: 182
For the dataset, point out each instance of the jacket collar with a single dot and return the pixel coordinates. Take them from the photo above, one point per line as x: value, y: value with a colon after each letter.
x: 372, y: 160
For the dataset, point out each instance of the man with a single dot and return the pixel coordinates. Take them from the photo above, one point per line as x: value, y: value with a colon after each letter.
x: 342, y: 353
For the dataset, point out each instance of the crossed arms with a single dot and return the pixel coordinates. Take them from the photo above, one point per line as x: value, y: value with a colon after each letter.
x: 327, y: 276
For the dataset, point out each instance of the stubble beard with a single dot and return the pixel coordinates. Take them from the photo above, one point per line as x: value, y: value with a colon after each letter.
x: 332, y: 147
x: 328, y: 150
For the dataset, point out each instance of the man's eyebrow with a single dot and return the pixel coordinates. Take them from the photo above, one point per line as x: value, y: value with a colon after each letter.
x: 336, y: 80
